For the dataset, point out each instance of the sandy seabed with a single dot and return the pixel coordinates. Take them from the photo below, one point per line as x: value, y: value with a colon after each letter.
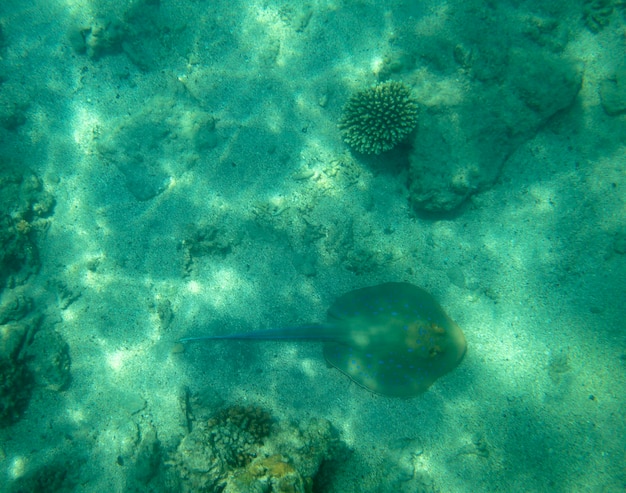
x: 201, y: 186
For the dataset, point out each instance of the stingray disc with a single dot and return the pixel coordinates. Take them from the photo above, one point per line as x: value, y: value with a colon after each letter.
x: 395, y: 339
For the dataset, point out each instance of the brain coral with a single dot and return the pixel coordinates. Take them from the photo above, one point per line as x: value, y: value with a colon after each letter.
x: 377, y: 119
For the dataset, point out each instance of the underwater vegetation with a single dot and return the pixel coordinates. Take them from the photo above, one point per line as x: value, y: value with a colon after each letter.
x: 393, y: 339
x: 377, y: 119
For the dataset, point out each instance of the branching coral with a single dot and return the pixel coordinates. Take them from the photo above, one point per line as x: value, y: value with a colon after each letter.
x: 379, y: 118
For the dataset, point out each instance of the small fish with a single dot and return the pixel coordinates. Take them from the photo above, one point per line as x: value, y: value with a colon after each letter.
x: 392, y: 339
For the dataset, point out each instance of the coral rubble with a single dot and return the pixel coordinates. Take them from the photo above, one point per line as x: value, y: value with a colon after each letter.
x: 242, y: 449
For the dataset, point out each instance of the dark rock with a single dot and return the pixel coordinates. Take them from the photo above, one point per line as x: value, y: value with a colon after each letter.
x: 613, y: 93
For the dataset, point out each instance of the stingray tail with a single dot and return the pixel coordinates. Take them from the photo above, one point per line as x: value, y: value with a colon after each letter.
x: 310, y: 332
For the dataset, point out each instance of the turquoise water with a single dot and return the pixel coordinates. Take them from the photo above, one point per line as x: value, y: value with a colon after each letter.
x: 173, y: 169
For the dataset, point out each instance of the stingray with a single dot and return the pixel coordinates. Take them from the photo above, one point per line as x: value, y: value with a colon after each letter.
x: 393, y: 339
